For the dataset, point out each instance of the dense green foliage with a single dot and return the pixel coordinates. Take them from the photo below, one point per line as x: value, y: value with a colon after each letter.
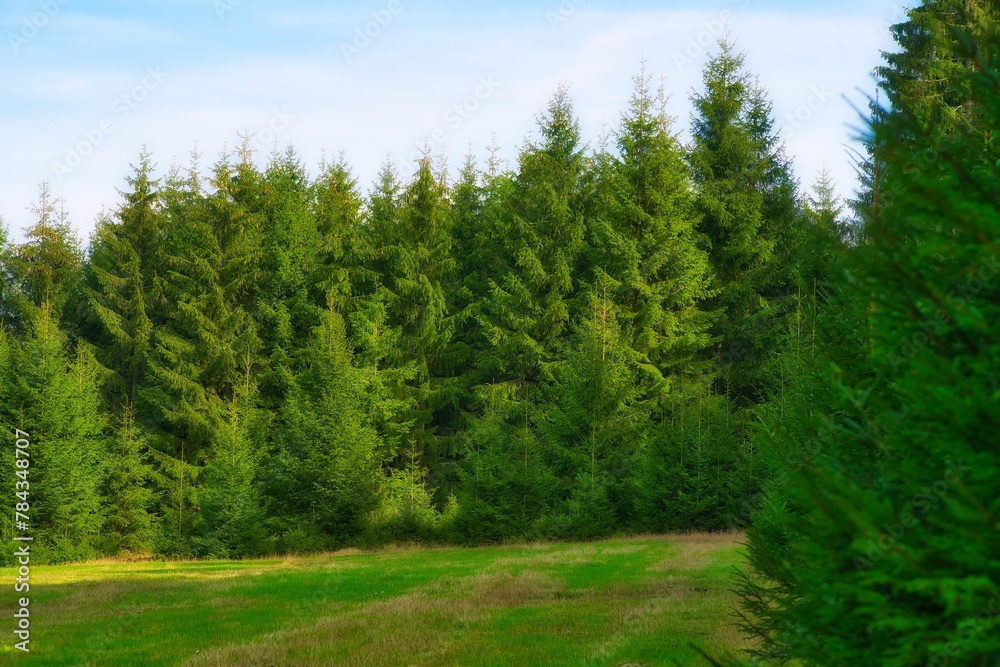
x: 257, y: 361
x: 877, y: 543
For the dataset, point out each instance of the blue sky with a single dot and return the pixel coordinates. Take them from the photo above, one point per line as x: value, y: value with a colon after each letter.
x: 86, y: 84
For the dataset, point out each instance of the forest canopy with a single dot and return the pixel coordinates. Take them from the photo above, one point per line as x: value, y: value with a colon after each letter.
x: 255, y: 360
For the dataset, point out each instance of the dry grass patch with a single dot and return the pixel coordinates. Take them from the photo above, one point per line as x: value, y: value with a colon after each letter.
x: 422, y: 624
x: 503, y: 589
x: 416, y: 626
x: 624, y: 549
x: 576, y: 555
x: 696, y: 551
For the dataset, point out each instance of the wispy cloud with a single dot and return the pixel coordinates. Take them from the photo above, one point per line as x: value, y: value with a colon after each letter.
x: 228, y: 76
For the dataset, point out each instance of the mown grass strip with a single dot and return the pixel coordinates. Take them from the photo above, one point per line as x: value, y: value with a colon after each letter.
x: 639, y: 601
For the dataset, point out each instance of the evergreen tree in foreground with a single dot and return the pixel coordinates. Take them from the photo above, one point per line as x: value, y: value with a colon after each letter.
x: 885, y: 552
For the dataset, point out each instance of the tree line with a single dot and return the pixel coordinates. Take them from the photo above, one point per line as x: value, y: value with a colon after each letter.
x: 252, y: 360
x: 876, y: 536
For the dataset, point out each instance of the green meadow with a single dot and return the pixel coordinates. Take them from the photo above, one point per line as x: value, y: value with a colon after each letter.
x: 648, y: 600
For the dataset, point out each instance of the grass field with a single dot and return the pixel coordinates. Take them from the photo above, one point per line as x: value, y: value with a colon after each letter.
x: 636, y: 601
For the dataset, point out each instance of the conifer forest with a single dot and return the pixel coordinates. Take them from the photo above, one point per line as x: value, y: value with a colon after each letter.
x: 661, y: 332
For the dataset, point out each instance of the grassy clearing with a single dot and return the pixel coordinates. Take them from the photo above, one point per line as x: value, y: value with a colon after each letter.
x: 636, y: 601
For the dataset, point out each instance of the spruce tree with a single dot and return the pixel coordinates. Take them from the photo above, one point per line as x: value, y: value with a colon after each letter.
x: 121, y: 282
x: 54, y: 398
x: 507, y: 486
x: 231, y: 508
x: 886, y: 554
x: 46, y: 268
x: 825, y: 235
x: 328, y: 475
x: 594, y: 421
x: 526, y: 313
x: 337, y: 205
x: 130, y: 523
x: 524, y: 319
x: 284, y: 307
x: 747, y: 202
x: 485, y: 242
x: 375, y: 329
x: 210, y: 280
x: 416, y: 265
x: 643, y: 239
